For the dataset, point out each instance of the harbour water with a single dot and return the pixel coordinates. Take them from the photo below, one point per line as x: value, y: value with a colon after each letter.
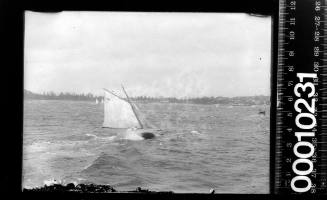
x: 200, y: 147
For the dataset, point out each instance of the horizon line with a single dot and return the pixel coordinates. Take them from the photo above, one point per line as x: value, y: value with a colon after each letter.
x: 85, y: 93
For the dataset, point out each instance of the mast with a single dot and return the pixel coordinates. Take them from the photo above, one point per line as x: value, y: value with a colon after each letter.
x: 133, y: 108
x: 115, y: 94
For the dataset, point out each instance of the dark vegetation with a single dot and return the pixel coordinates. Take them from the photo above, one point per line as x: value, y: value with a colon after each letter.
x: 60, y: 96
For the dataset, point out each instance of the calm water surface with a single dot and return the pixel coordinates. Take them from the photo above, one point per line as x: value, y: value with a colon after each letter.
x: 201, y: 147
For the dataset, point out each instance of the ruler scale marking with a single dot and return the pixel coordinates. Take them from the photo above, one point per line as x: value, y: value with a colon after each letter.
x: 301, y: 51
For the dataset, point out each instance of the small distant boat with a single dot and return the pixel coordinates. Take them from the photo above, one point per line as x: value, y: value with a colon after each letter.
x: 262, y: 112
x: 96, y: 101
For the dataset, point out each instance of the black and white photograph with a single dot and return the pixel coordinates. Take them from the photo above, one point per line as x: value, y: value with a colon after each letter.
x: 158, y: 101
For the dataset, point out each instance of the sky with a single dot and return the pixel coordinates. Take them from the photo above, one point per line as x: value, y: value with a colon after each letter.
x: 151, y: 54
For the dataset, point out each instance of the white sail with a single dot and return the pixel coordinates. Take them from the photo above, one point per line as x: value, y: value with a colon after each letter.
x: 96, y: 101
x: 142, y: 118
x: 118, y: 113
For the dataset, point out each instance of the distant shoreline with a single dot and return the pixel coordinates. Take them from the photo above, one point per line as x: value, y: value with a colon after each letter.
x: 235, y: 101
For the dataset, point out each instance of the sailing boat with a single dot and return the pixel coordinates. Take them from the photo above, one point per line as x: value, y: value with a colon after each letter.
x: 121, y: 113
x: 96, y: 101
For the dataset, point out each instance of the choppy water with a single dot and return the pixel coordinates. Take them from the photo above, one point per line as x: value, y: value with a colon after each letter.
x: 202, y: 147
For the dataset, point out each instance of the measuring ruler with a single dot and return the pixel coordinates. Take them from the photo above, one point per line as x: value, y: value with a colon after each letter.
x: 300, y: 154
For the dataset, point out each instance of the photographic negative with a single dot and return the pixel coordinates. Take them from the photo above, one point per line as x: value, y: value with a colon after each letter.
x: 163, y: 101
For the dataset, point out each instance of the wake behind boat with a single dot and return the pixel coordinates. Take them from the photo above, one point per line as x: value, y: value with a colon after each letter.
x: 121, y: 113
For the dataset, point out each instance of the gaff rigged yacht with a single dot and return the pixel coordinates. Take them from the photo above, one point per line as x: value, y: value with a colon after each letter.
x: 122, y: 113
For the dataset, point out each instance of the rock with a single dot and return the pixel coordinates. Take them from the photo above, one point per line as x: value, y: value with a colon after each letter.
x: 139, y: 189
x: 70, y: 186
x: 212, y: 191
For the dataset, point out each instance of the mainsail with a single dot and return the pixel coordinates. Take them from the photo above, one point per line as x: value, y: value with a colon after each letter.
x: 119, y: 113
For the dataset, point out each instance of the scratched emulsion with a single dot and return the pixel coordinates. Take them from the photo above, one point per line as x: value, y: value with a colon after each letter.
x: 201, y: 147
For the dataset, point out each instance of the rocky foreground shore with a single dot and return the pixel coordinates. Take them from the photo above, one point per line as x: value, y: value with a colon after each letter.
x: 82, y: 188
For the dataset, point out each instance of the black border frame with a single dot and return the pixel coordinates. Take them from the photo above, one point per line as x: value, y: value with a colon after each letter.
x: 12, y: 35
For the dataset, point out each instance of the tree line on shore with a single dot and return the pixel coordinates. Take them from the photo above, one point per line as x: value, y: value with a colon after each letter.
x: 243, y: 100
